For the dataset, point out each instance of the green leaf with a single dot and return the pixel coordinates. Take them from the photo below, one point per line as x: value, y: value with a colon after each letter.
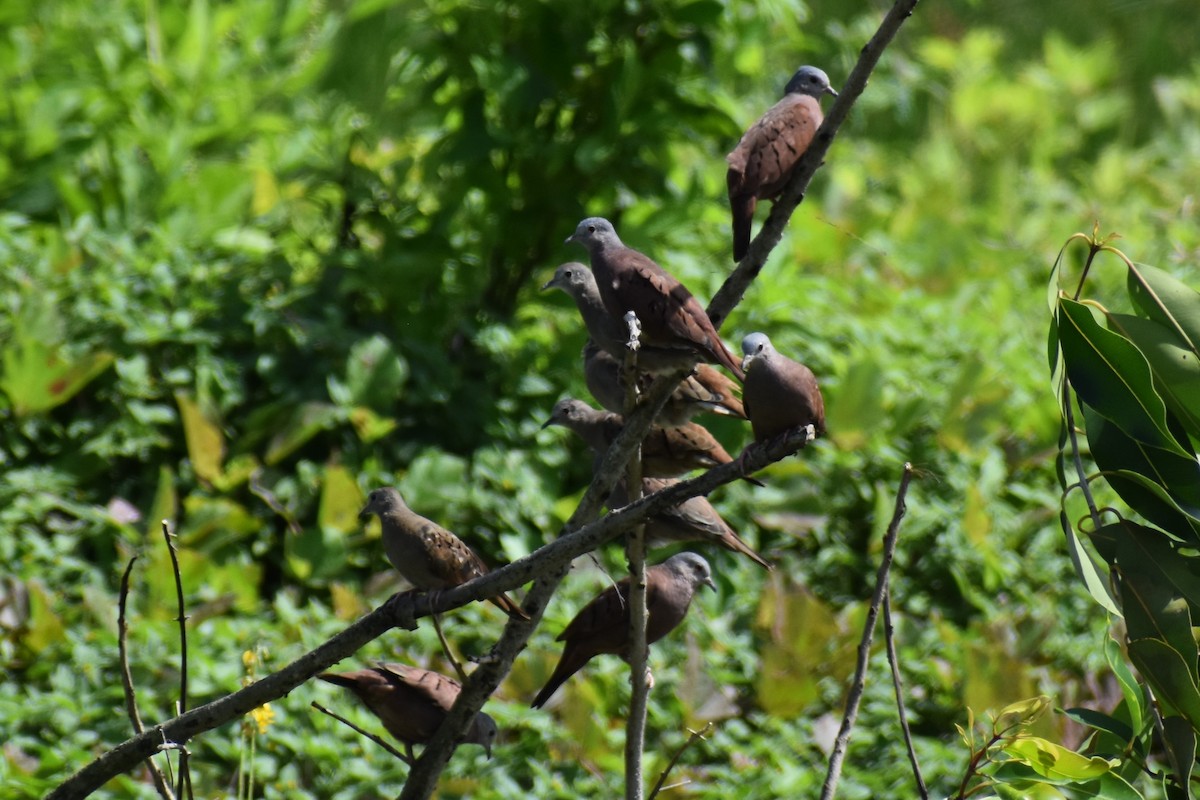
x: 1179, y: 737
x: 1130, y: 688
x: 1093, y: 574
x: 1055, y: 761
x: 856, y: 403
x: 1175, y: 366
x: 1022, y: 712
x: 341, y: 500
x: 205, y: 442
x: 1113, y: 377
x: 1101, y: 722
x: 375, y: 373
x: 305, y: 422
x: 1169, y: 674
x: 1168, y: 301
x: 1160, y: 485
x: 1157, y: 557
x: 36, y: 378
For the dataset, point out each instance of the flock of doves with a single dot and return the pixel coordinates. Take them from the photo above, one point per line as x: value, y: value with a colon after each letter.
x: 778, y: 395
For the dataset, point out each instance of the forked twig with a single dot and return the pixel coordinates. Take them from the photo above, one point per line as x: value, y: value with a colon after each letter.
x: 662, y: 778
x: 135, y: 718
x: 373, y: 737
x: 842, y: 742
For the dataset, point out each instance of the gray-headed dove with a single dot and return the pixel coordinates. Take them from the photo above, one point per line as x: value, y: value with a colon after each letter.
x: 779, y: 393
x: 428, y: 555
x: 762, y: 162
x: 630, y: 281
x: 603, y: 624
x: 411, y: 702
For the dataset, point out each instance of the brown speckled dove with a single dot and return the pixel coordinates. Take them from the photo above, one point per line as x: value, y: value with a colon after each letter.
x: 603, y: 624
x: 630, y: 281
x: 411, y: 702
x: 762, y: 162
x: 780, y: 394
x: 429, y: 556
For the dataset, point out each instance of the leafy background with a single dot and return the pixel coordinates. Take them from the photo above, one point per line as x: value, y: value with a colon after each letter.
x: 262, y: 257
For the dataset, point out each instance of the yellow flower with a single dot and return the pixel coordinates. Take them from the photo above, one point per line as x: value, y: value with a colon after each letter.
x: 263, y: 716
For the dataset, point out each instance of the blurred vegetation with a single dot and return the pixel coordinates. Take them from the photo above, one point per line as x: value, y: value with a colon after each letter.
x: 261, y: 257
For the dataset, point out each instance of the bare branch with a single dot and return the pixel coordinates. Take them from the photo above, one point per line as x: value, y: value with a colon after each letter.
x: 185, y: 777
x: 635, y: 548
x: 842, y: 742
x: 373, y: 737
x: 894, y: 662
x: 662, y: 778
x: 135, y: 718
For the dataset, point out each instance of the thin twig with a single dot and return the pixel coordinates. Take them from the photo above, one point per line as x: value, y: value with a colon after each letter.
x: 458, y: 667
x: 135, y: 718
x: 842, y: 742
x: 889, y: 639
x: 373, y: 737
x: 635, y: 547
x: 185, y: 778
x: 662, y: 778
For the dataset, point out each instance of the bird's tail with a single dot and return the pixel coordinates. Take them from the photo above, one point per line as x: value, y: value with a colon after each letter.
x: 565, y: 669
x: 338, y: 679
x: 509, y: 606
x: 735, y: 543
x: 742, y: 207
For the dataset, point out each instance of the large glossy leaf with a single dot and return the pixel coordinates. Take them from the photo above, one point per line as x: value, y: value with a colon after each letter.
x: 1168, y: 493
x: 1167, y: 300
x: 1179, y: 737
x: 1093, y: 574
x: 1056, y: 762
x: 1160, y: 560
x: 1175, y: 366
x: 1112, y: 376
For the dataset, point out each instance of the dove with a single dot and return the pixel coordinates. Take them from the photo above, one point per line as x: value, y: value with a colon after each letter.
x: 630, y: 281
x: 411, y: 702
x: 779, y: 393
x: 426, y: 554
x: 762, y: 162
x: 603, y: 624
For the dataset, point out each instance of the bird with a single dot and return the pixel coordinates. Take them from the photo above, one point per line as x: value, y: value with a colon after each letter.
x: 610, y: 333
x: 411, y: 702
x: 665, y: 451
x: 630, y: 281
x: 779, y: 394
x: 762, y: 162
x: 603, y: 624
x: 426, y: 554
x: 706, y: 390
x: 694, y: 519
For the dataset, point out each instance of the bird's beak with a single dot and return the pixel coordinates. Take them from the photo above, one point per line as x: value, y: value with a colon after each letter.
x: 365, y: 514
x: 547, y: 423
x: 548, y: 284
x: 831, y: 90
x: 488, y: 750
x: 709, y: 583
x: 569, y: 239
x: 746, y: 361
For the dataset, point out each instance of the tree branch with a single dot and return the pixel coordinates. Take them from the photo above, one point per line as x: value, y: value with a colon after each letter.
x: 842, y: 742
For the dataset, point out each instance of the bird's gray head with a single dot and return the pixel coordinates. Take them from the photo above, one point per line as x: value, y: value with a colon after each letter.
x: 572, y: 277
x: 380, y: 501
x: 570, y: 412
x: 595, y: 233
x: 811, y: 81
x: 693, y: 568
x: 754, y: 346
x: 483, y: 731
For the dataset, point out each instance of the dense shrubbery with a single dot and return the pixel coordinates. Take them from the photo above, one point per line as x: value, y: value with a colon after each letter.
x: 260, y: 258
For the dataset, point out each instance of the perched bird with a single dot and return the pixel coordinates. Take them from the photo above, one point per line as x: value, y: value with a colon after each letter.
x: 694, y: 519
x: 762, y: 162
x: 411, y: 702
x: 611, y: 333
x: 629, y: 281
x: 665, y: 451
x: 780, y: 394
x: 704, y: 391
x: 603, y: 624
x: 425, y: 553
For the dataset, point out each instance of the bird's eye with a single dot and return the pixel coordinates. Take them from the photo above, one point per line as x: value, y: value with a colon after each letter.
x: 591, y: 228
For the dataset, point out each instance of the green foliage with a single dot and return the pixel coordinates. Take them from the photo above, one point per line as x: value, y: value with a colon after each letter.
x: 1129, y: 374
x: 261, y: 257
